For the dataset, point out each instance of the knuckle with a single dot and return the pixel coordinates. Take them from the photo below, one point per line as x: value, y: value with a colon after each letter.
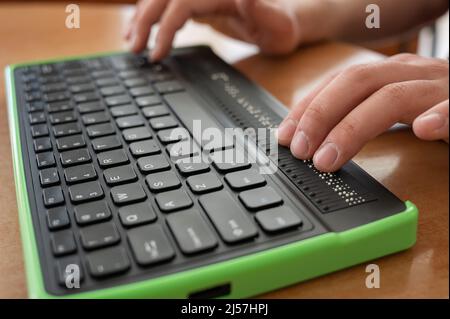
x: 394, y: 92
x: 358, y: 73
x: 347, y: 130
x: 404, y: 57
x: 316, y: 113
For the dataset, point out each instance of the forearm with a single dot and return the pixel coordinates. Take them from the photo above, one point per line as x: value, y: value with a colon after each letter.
x: 346, y: 19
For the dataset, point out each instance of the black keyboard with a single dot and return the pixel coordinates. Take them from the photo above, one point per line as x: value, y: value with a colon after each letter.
x: 114, y: 191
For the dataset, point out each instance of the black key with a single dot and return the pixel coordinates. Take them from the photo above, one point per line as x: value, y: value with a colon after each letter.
x: 128, y: 74
x: 74, y: 72
x: 260, y: 198
x: 79, y: 88
x: 119, y: 175
x: 45, y: 160
x: 37, y: 118
x: 230, y: 166
x: 107, y: 82
x: 108, y: 262
x: 85, y: 192
x: 135, y: 82
x: 150, y: 245
x: 92, y: 213
x: 49, y: 177
x: 63, y: 243
x: 162, y: 123
x: 56, y: 97
x: 125, y: 110
x: 53, y: 196
x: 112, y: 90
x: 90, y: 107
x: 95, y: 118
x: 53, y: 87
x: 173, y: 135
x: 141, y: 91
x: 144, y: 148
x: 63, y: 271
x: 66, y: 129
x: 70, y: 142
x: 57, y: 218
x: 183, y: 149
x: 50, y: 79
x: 59, y: 106
x: 112, y: 158
x: 86, y: 97
x: 63, y: 117
x: 137, y: 214
x: 136, y: 134
x: 37, y: 106
x: 173, y: 200
x: 78, y: 79
x: 106, y: 143
x: 148, y: 100
x: 100, y: 130
x: 192, y: 233
x: 204, y: 183
x: 75, y: 157
x: 153, y: 164
x: 117, y: 100
x: 155, y: 111
x: 81, y: 173
x: 42, y: 144
x: 227, y: 216
x: 47, y: 69
x: 245, y: 179
x: 98, y: 236
x: 128, y: 194
x: 33, y: 96
x: 129, y: 122
x: 162, y: 182
x: 103, y: 74
x: 192, y: 168
x: 278, y: 219
x: 29, y: 77
x: 39, y: 130
x: 160, y: 77
x: 169, y: 87
x: 32, y: 86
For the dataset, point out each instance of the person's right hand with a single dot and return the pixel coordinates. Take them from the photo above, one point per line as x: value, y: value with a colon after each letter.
x: 272, y: 25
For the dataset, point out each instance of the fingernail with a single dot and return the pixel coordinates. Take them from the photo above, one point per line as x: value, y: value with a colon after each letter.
x: 286, y: 129
x: 433, y: 121
x: 300, y: 145
x: 326, y: 156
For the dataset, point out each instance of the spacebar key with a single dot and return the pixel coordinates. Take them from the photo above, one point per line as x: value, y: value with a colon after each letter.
x: 188, y: 110
x: 228, y: 217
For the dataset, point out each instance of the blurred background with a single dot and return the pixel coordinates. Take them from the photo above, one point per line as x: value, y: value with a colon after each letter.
x: 432, y: 41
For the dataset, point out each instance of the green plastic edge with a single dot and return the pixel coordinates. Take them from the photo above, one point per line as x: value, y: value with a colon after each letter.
x: 248, y: 275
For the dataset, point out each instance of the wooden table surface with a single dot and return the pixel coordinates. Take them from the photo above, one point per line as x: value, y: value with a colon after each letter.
x: 412, y: 169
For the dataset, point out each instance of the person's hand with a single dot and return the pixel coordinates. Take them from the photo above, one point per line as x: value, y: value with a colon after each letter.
x: 352, y: 107
x: 272, y: 25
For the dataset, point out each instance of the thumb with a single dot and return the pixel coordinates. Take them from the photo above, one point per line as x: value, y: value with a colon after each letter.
x: 433, y: 124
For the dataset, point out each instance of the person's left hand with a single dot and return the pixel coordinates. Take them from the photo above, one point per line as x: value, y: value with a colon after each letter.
x: 352, y: 107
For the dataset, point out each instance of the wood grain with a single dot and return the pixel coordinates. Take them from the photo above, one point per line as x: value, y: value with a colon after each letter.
x: 410, y: 168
